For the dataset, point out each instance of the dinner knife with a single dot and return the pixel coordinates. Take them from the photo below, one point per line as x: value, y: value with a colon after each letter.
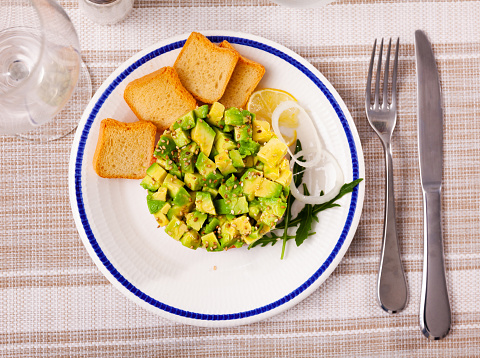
x: 435, y: 315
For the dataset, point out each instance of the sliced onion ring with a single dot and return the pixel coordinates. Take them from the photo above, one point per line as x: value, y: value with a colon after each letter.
x: 310, y: 199
x: 282, y: 107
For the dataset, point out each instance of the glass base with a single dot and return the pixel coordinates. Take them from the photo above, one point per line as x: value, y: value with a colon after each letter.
x: 67, y: 119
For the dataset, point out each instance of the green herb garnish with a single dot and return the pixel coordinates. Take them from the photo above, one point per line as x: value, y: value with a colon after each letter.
x: 305, y: 217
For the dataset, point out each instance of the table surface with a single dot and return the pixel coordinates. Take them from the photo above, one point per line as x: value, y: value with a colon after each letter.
x: 54, y: 300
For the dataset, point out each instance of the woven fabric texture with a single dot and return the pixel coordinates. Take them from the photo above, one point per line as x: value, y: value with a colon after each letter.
x: 55, y: 302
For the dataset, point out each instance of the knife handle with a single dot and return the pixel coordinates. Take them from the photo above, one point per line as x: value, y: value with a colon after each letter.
x: 391, y: 285
x: 435, y: 315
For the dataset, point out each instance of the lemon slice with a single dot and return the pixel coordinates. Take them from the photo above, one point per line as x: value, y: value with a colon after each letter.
x: 263, y: 102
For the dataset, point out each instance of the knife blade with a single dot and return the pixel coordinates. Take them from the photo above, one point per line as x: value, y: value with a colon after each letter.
x: 435, y: 314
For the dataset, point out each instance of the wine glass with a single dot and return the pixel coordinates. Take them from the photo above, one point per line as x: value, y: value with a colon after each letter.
x: 41, y: 71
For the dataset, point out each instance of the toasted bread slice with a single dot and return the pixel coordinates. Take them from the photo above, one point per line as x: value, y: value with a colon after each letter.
x: 245, y: 78
x: 204, y: 68
x: 124, y: 150
x: 159, y: 97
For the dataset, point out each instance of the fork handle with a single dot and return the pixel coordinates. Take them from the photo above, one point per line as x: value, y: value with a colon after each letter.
x: 391, y: 285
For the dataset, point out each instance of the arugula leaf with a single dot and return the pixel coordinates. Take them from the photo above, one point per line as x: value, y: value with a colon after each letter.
x: 345, y: 189
x: 272, y: 239
x: 288, y: 215
x: 306, y: 223
x: 297, y: 169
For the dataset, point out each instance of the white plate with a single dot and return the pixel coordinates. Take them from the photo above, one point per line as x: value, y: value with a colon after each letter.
x: 198, y: 287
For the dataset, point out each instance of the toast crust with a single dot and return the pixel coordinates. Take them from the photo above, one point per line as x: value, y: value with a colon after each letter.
x: 245, y: 78
x: 124, y: 150
x: 204, y: 68
x: 159, y: 98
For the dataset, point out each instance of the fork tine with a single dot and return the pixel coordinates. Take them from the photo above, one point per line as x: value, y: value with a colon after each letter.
x: 377, y: 79
x: 385, y: 78
x: 394, y: 76
x: 369, y: 78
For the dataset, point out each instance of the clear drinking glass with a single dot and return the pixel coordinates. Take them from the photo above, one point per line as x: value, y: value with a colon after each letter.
x: 41, y: 71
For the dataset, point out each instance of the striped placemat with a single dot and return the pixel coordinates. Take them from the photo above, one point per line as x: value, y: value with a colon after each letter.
x: 55, y: 302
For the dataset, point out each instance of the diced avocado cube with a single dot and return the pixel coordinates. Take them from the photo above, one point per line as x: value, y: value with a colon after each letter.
x: 248, y: 147
x: 243, y: 225
x: 186, y: 122
x: 213, y: 153
x: 261, y: 131
x: 228, y: 128
x: 161, y: 218
x: 154, y: 205
x: 176, y: 228
x: 165, y: 147
x: 223, y: 142
x: 248, y: 117
x: 272, y: 152
x: 161, y: 162
x: 224, y: 164
x: 166, y: 208
x: 201, y: 112
x: 182, y: 197
x: 203, y: 135
x: 255, y: 209
x: 210, y: 242
x: 231, y: 188
x: 285, y: 178
x: 173, y: 184
x: 149, y: 183
x: 195, y: 219
x: 215, y: 116
x: 191, y: 239
x: 213, y: 192
x: 229, y: 234
x: 212, y: 224
x: 213, y: 180
x: 259, y: 166
x: 175, y: 211
x: 254, y: 236
x: 268, y: 189
x: 187, y: 158
x: 251, y: 181
x: 204, y: 164
x: 263, y: 229
x: 241, y: 206
x: 236, y: 158
x: 160, y: 194
x: 173, y: 169
x: 249, y: 161
x: 157, y: 172
x: 268, y: 219
x: 272, y: 173
x: 284, y: 164
x: 181, y: 137
x: 179, y: 211
x: 234, y: 117
x: 225, y: 206
x: 273, y: 205
x: 193, y: 181
x: 204, y: 203
x: 243, y: 132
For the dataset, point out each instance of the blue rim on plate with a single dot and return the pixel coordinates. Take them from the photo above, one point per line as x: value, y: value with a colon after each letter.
x: 119, y: 277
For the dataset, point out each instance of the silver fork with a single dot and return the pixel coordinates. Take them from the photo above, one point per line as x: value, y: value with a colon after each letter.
x: 391, y: 284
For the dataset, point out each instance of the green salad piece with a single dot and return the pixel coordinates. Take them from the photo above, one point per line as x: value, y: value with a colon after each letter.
x: 208, y: 188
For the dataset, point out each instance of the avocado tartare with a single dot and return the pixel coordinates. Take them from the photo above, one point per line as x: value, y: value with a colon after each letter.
x: 220, y: 178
